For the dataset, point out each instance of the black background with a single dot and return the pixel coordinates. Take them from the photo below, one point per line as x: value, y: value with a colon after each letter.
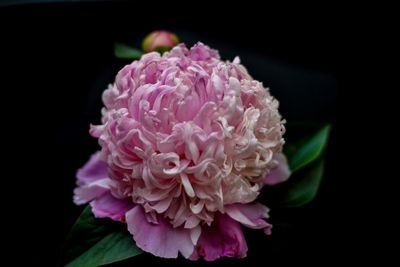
x: 57, y: 60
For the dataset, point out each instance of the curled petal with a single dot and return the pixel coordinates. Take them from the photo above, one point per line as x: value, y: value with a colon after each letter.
x: 187, y: 185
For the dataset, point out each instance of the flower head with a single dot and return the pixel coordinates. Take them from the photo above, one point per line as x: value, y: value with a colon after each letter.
x: 188, y: 141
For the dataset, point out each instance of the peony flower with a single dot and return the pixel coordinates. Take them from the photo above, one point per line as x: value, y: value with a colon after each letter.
x: 187, y: 143
x: 159, y: 40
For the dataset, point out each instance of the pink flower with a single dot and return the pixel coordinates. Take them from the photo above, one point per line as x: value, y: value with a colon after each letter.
x: 188, y: 141
x: 159, y: 40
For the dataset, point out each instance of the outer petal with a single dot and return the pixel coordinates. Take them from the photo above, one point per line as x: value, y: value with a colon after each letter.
x: 251, y: 215
x: 281, y: 173
x: 224, y: 238
x: 94, y: 169
x: 92, y: 180
x: 159, y: 239
x: 90, y: 191
x: 107, y: 206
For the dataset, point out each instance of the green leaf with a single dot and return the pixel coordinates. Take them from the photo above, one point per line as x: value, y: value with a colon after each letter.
x: 89, y: 241
x: 114, y: 247
x: 301, y: 190
x: 305, y: 157
x: 124, y: 51
x: 307, y: 150
x: 86, y: 232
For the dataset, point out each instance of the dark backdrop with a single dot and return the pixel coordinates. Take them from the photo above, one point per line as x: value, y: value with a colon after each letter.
x: 57, y: 60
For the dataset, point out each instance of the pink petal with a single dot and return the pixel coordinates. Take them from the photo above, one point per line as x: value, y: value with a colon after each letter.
x: 224, y: 238
x: 281, y: 173
x: 159, y: 239
x: 251, y: 215
x: 187, y: 185
x: 96, y: 130
x: 195, y: 234
x: 192, y: 221
x: 201, y: 51
x: 88, y: 192
x: 94, y: 169
x: 92, y: 180
x: 107, y: 206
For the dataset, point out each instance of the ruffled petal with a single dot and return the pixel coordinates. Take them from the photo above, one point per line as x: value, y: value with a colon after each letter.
x: 159, y: 239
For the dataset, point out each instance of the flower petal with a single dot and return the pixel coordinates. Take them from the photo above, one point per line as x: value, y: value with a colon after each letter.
x: 90, y: 191
x: 159, y: 239
x: 192, y: 221
x: 195, y: 234
x: 187, y: 185
x: 94, y: 169
x: 107, y: 206
x: 281, y: 173
x: 251, y: 215
x: 224, y: 238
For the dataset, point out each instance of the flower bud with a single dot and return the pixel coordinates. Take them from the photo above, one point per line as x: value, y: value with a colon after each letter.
x: 160, y: 41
